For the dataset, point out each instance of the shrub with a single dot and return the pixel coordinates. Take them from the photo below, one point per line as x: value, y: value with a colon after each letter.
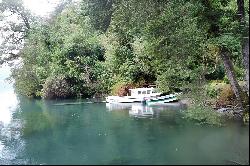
x: 214, y: 88
x: 226, y: 97
x: 211, y: 91
x: 56, y: 87
x: 121, y: 88
x: 26, y: 82
x: 246, y: 118
x: 202, y: 115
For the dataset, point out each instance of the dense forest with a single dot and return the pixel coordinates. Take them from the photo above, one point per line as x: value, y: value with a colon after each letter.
x: 99, y: 47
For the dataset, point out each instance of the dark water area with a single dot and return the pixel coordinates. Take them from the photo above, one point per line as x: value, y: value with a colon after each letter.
x: 81, y: 132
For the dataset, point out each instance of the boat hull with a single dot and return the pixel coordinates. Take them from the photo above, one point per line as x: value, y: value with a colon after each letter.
x: 124, y: 99
x: 161, y: 101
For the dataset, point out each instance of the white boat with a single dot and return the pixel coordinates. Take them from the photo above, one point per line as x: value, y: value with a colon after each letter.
x: 136, y: 95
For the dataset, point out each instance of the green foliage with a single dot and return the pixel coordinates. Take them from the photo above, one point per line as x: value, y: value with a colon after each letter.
x: 26, y: 82
x: 215, y: 87
x: 99, y: 12
x: 202, y: 115
x: 239, y: 72
x: 100, y: 47
x: 246, y: 118
x: 174, y: 36
x: 68, y: 47
x: 212, y: 90
x: 229, y: 42
x: 175, y: 33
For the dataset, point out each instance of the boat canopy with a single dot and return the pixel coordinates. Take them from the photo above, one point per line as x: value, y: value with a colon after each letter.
x: 142, y: 91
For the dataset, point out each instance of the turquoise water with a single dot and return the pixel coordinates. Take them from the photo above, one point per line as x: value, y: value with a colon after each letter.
x: 59, y: 132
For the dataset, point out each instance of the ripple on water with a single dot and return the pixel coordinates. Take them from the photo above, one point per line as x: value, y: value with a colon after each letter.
x: 11, y: 144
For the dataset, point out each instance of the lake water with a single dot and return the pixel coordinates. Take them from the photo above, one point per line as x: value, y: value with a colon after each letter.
x: 80, y: 132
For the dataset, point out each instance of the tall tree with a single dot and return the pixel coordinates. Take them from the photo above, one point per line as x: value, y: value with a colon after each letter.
x: 220, y: 18
x: 244, y: 27
x: 225, y: 56
x: 175, y: 44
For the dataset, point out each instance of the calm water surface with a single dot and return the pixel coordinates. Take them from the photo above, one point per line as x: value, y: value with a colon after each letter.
x: 59, y: 132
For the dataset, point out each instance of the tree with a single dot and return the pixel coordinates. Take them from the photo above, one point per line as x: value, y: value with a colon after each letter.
x: 176, y: 45
x: 99, y: 12
x: 222, y: 28
x: 16, y: 25
x: 244, y: 27
x: 64, y: 51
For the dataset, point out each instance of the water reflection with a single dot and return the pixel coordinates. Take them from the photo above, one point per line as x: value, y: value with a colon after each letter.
x: 8, y: 99
x: 8, y: 105
x: 11, y: 144
x: 141, y: 110
x: 120, y: 106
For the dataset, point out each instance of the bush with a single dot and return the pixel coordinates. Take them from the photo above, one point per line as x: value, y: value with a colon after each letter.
x: 226, y: 97
x: 26, y: 82
x: 214, y: 88
x: 56, y: 87
x: 246, y: 118
x: 211, y: 91
x: 203, y: 115
x: 121, y: 88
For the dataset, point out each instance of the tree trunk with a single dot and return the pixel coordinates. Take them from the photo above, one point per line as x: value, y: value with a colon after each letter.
x: 241, y: 11
x: 245, y: 51
x: 245, y: 39
x: 232, y: 78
